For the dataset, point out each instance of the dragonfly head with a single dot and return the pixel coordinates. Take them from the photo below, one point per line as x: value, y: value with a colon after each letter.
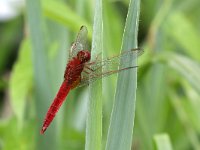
x: 83, y: 56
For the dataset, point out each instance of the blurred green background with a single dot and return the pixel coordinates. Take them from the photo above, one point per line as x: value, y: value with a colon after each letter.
x: 168, y: 95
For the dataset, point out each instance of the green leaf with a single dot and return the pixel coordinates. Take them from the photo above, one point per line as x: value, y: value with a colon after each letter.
x: 187, y: 68
x: 189, y: 39
x: 177, y: 103
x: 191, y: 106
x: 94, y: 118
x: 162, y: 142
x: 21, y: 81
x: 12, y: 139
x: 60, y: 12
x: 122, y: 118
x: 42, y: 82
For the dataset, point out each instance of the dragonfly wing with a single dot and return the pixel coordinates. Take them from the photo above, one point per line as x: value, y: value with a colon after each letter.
x: 80, y: 42
x: 96, y: 70
x: 123, y: 60
x: 86, y: 80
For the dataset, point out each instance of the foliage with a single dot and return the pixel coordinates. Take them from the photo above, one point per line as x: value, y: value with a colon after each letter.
x: 168, y: 89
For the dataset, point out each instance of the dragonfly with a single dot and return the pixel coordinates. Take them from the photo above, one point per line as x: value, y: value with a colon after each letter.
x: 81, y: 71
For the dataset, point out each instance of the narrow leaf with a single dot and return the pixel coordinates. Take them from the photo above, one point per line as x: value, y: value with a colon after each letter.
x: 36, y: 24
x: 189, y: 39
x: 162, y: 142
x: 187, y: 67
x: 122, y: 119
x: 192, y: 135
x: 61, y: 13
x: 21, y: 81
x: 94, y: 118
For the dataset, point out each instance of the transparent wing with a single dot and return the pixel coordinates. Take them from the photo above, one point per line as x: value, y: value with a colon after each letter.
x: 80, y: 42
x: 96, y: 70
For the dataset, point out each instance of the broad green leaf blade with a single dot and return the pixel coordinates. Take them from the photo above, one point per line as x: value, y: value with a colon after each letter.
x: 192, y: 106
x: 12, y: 139
x: 187, y: 68
x: 192, y: 135
x: 21, y: 81
x: 42, y: 82
x: 58, y: 43
x: 61, y: 13
x: 122, y: 118
x: 94, y: 118
x: 189, y: 39
x: 162, y: 142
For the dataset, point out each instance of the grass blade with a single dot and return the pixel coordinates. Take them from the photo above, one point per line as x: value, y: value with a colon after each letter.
x: 187, y: 67
x: 177, y: 23
x: 162, y: 142
x: 21, y: 81
x: 56, y: 10
x: 192, y: 135
x: 184, y: 66
x: 94, y: 118
x: 42, y: 82
x: 122, y: 119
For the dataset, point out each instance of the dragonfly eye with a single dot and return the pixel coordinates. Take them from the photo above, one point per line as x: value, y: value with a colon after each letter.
x: 83, y: 56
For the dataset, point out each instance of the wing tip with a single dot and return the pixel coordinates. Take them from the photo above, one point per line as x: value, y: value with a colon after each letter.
x: 83, y: 27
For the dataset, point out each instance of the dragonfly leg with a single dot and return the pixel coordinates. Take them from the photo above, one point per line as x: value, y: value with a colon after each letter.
x: 86, y: 71
x: 90, y: 63
x: 87, y: 67
x: 89, y: 71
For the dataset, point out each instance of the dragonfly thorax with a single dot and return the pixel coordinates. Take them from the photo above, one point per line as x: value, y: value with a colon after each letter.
x: 83, y: 56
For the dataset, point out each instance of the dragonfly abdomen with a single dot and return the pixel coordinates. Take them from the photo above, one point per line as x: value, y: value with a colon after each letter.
x: 55, y: 106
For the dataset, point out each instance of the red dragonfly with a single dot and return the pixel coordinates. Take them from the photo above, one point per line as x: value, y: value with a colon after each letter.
x: 79, y: 71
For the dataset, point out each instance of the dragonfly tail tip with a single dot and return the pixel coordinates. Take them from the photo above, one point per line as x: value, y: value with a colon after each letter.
x: 43, y: 130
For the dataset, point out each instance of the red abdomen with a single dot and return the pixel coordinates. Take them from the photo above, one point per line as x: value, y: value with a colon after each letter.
x: 71, y: 80
x: 60, y: 97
